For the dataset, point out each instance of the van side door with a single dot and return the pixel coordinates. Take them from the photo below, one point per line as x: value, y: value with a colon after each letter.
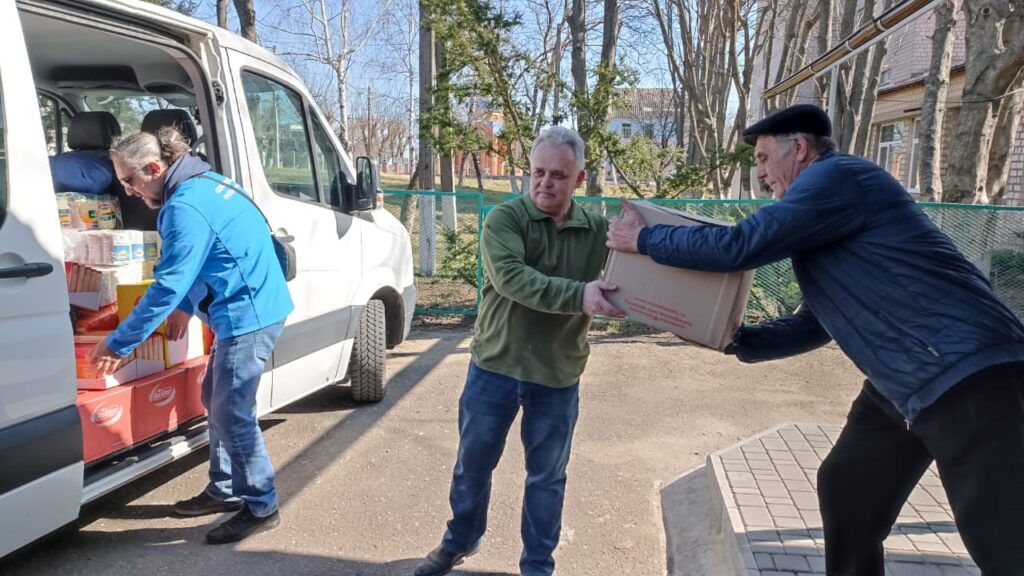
x: 40, y: 432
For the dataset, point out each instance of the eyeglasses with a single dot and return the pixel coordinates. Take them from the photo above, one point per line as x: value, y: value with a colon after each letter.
x: 126, y: 181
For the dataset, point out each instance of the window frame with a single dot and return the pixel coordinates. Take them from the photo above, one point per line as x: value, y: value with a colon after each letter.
x: 627, y: 130
x: 5, y: 172
x: 306, y: 120
x: 889, y: 146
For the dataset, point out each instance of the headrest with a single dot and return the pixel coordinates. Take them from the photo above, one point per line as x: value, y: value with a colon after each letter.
x: 93, y: 131
x: 171, y: 117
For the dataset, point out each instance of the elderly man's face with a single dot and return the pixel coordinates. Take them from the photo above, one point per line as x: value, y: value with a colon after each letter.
x: 780, y: 161
x: 553, y: 178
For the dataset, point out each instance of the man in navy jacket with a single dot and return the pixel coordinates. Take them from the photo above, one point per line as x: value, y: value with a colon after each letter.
x: 943, y: 356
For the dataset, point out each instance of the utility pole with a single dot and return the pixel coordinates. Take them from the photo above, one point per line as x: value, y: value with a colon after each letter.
x: 369, y: 123
x: 428, y: 235
x: 449, y: 214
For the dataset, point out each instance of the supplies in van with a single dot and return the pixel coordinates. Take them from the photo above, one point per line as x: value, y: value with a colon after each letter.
x: 93, y: 287
x: 87, y: 212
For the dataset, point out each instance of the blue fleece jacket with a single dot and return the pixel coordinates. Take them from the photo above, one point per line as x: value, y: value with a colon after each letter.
x: 876, y: 275
x: 213, y: 241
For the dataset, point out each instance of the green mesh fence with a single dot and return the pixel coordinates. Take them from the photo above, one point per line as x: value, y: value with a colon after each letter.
x: 446, y: 284
x: 991, y: 237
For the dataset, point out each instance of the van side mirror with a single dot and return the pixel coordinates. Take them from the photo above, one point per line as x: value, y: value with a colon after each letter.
x: 367, y: 184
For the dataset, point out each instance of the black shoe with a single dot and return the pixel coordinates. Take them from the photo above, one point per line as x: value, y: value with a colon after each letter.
x: 241, y: 526
x: 441, y: 561
x: 205, y: 504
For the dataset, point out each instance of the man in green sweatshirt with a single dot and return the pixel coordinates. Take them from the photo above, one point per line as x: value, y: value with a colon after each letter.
x: 542, y: 256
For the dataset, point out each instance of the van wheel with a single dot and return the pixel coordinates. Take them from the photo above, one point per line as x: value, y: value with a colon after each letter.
x: 368, y: 366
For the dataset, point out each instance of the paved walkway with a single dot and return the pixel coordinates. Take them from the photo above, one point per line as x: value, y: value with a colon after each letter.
x: 766, y: 490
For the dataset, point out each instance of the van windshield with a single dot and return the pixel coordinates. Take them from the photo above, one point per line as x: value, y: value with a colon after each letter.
x: 131, y: 109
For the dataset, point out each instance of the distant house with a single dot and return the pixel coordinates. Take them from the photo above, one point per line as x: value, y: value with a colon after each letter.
x: 650, y: 112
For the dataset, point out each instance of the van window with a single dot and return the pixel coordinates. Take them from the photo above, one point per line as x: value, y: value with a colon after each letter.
x: 3, y: 161
x: 279, y: 124
x: 328, y: 167
x: 55, y: 125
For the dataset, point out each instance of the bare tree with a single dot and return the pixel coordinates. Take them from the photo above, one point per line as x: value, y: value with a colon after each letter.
x: 995, y: 58
x: 933, y: 110
x: 329, y: 40
x: 712, y: 48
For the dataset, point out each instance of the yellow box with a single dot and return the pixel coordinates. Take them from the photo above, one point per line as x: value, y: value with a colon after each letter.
x: 128, y: 296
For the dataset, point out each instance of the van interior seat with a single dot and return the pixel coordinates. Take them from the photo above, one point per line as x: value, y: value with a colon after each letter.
x: 173, y: 118
x: 93, y: 131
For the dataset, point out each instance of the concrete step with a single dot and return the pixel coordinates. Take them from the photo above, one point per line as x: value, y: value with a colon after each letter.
x: 752, y: 510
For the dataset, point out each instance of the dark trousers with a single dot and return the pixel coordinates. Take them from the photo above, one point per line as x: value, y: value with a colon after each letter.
x: 488, y: 407
x: 974, y: 433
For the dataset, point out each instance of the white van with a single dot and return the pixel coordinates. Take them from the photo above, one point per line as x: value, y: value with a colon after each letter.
x: 256, y: 122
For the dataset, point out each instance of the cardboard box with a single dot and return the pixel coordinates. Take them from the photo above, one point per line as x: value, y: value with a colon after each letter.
x: 158, y: 402
x: 186, y: 348
x: 195, y: 371
x: 702, y: 307
x: 106, y: 417
x: 145, y: 360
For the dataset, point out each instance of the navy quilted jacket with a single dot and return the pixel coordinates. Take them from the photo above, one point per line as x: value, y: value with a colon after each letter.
x: 876, y: 275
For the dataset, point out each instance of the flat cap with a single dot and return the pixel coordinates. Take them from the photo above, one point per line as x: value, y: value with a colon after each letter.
x: 806, y: 118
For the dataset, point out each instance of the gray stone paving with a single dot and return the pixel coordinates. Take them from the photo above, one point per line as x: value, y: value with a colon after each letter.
x: 767, y: 494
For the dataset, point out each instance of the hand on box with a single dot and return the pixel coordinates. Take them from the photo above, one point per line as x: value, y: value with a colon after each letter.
x: 105, y: 361
x: 594, y: 302
x: 624, y: 231
x: 177, y: 325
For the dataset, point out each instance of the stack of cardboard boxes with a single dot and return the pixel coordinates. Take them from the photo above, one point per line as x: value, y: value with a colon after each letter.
x: 155, y: 389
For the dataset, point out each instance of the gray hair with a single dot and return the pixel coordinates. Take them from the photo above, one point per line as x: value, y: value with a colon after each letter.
x: 819, y: 144
x: 167, y: 144
x: 562, y: 136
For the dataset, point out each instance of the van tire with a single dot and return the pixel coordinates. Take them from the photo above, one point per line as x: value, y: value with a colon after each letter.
x: 368, y: 364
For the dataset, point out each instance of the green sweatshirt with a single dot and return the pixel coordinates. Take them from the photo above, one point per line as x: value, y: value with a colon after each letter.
x: 531, y: 324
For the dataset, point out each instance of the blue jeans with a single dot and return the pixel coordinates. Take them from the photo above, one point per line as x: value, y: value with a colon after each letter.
x: 239, y: 465
x: 487, y: 408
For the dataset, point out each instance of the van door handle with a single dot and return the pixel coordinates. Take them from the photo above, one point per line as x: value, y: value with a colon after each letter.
x: 30, y: 270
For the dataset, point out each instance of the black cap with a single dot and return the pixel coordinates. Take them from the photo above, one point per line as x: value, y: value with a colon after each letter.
x: 806, y: 118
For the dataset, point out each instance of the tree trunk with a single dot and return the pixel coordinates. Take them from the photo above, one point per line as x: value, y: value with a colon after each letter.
x: 578, y: 36
x: 825, y: 8
x: 606, y: 71
x: 867, y: 110
x: 994, y: 39
x: 479, y: 176
x: 1002, y: 144
x: 933, y: 110
x: 995, y: 57
x: 425, y: 167
x: 222, y: 14
x: 246, y: 19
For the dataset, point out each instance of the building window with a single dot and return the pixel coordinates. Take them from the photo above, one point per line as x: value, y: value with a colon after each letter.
x: 649, y: 130
x: 627, y: 130
x: 890, y: 146
x: 885, y: 77
x: 915, y: 157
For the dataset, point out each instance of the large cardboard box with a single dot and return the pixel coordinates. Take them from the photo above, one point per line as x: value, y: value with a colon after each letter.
x: 195, y: 371
x: 158, y: 402
x: 702, y: 307
x: 106, y: 417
